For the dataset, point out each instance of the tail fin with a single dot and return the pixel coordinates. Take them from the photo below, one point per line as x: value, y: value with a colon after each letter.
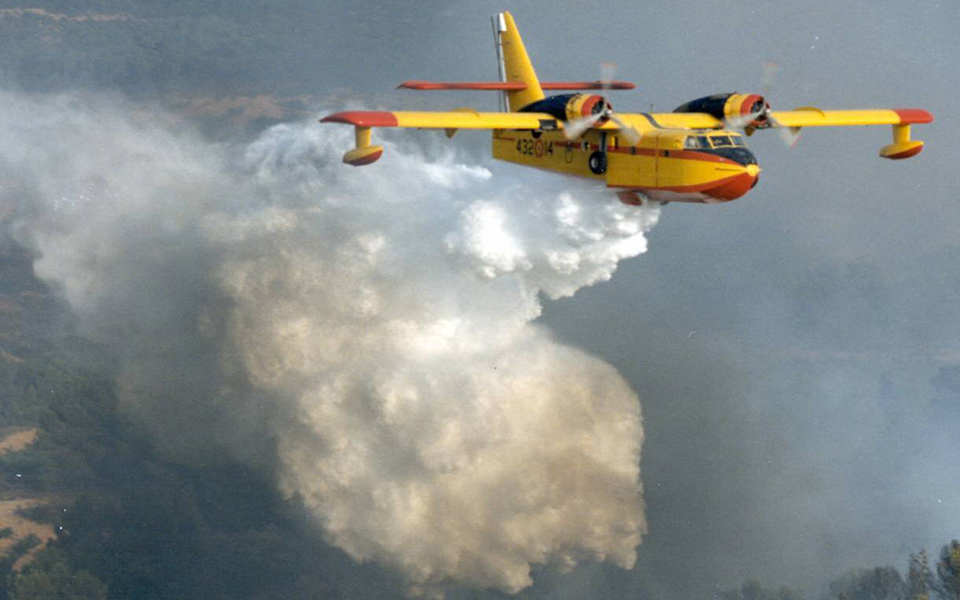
x: 515, y: 64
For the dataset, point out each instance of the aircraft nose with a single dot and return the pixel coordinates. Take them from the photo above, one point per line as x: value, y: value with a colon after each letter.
x: 736, y: 186
x: 744, y: 156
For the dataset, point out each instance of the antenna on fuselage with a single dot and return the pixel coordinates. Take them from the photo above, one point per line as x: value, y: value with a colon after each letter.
x: 499, y: 26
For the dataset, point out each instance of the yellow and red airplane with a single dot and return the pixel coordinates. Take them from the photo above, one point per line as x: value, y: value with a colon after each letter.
x: 693, y: 154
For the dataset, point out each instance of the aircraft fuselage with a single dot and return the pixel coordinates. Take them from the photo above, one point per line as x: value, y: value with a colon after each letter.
x: 707, y: 166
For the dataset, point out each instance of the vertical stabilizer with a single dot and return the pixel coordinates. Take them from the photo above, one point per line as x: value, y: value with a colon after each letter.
x: 516, y: 63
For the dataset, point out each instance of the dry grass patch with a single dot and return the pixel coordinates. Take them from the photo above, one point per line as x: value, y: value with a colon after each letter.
x: 23, y: 527
x: 15, y: 439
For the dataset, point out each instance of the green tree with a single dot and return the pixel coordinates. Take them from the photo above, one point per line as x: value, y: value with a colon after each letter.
x: 879, y: 583
x: 752, y: 589
x: 49, y: 577
x: 919, y: 577
x: 948, y: 572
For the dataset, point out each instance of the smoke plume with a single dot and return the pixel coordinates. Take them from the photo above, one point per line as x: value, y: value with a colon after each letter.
x: 369, y: 334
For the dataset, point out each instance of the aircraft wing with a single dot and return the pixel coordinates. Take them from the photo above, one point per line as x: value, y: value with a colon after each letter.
x: 463, y: 118
x: 806, y: 116
x: 471, y: 119
x: 791, y: 121
x: 900, y: 118
x: 814, y: 117
x: 466, y: 118
x: 457, y: 119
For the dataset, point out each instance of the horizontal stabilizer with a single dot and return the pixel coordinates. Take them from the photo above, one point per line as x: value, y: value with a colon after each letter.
x: 514, y: 86
x: 510, y: 86
x: 587, y: 85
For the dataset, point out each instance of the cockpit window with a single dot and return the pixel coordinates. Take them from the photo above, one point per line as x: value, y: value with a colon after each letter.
x: 738, y: 141
x: 704, y: 141
x: 721, y: 140
x: 691, y: 142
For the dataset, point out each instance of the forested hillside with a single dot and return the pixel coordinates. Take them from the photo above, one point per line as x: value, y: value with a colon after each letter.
x: 127, y: 523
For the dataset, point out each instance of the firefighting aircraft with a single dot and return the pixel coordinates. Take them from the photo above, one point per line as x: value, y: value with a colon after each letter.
x: 693, y: 154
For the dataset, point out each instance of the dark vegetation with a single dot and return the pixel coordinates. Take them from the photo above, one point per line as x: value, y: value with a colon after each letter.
x: 922, y: 582
x: 129, y: 523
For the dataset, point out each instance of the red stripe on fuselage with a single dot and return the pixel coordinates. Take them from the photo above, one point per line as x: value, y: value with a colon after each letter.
x: 701, y: 187
x: 728, y: 188
x: 701, y: 156
x: 678, y: 154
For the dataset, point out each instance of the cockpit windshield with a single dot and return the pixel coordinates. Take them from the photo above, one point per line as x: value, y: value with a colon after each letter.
x: 703, y: 142
x: 696, y: 142
x: 727, y: 141
x: 720, y: 141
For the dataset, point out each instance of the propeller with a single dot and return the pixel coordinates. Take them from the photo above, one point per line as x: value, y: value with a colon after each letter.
x: 763, y: 118
x: 577, y: 127
x: 607, y: 71
x: 627, y: 132
x: 770, y: 71
x: 574, y: 129
x: 789, y: 135
x: 743, y: 121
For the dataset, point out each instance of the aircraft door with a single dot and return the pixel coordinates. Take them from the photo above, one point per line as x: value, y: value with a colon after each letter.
x: 668, y: 163
x: 625, y: 168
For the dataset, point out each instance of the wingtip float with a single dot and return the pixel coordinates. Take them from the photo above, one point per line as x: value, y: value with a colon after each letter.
x: 694, y: 154
x: 903, y: 146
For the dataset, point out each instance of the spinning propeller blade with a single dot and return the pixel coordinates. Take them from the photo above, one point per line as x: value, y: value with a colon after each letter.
x: 574, y: 129
x: 629, y: 134
x: 789, y: 135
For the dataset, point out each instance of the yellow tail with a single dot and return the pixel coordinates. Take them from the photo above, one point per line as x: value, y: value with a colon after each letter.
x: 515, y: 64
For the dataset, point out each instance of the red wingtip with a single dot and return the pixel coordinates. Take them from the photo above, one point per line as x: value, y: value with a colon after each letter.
x: 363, y: 118
x: 909, y: 116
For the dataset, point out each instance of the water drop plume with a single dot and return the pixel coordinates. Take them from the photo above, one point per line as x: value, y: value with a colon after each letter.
x: 368, y: 335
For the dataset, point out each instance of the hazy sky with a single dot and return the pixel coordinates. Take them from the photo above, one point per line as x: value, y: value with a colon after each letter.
x: 793, y: 350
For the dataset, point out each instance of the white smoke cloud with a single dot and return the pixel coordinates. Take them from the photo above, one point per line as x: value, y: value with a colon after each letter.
x: 375, y: 325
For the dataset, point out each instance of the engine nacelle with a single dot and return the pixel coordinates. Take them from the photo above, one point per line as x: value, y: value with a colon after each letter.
x: 731, y: 107
x: 570, y: 107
